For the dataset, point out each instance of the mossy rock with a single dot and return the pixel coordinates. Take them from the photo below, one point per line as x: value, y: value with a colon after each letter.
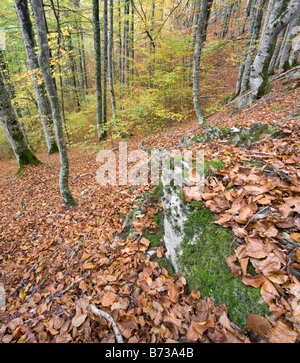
x: 251, y: 134
x: 204, y: 249
x: 212, y: 132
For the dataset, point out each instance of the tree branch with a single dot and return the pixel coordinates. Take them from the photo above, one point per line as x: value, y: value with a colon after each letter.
x: 108, y: 318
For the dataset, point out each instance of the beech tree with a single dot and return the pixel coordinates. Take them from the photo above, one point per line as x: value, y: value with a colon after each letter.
x: 38, y: 85
x: 44, y: 62
x: 282, y: 13
x: 256, y: 14
x: 286, y: 48
x: 13, y: 131
x: 204, y: 12
x: 97, y: 48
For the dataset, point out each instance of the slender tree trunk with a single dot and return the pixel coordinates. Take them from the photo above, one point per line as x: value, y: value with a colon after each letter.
x: 105, y: 64
x: 192, y: 47
x: 151, y: 59
x: 97, y: 46
x: 39, y: 87
x: 126, y: 60
x: 120, y: 61
x: 205, y: 8
x: 9, y: 121
x: 82, y: 63
x: 226, y: 19
x: 295, y: 54
x: 44, y: 62
x: 73, y: 70
x: 257, y: 13
x: 276, y: 51
x: 132, y: 44
x: 247, y: 11
x: 56, y: 12
x: 110, y: 64
x: 285, y: 52
x: 282, y: 14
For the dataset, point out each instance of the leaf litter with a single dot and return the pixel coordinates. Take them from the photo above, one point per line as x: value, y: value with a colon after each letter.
x: 56, y: 261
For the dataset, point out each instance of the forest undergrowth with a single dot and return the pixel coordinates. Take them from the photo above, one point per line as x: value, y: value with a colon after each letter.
x: 56, y: 260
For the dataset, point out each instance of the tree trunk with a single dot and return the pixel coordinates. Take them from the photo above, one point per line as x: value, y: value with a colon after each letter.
x: 83, y: 69
x: 276, y: 51
x: 247, y: 11
x: 97, y: 46
x: 105, y: 65
x: 295, y: 54
x: 151, y: 59
x: 110, y: 64
x: 282, y: 14
x: 44, y: 62
x: 286, y: 48
x: 73, y: 69
x: 257, y: 14
x: 226, y: 19
x: 39, y: 87
x: 205, y: 8
x: 13, y: 131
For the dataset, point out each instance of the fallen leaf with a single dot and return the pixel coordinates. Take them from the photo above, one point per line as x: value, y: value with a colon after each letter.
x: 108, y: 298
x: 78, y: 320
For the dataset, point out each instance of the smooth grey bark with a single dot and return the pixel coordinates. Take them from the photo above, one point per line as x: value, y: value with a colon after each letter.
x: 120, y: 61
x: 151, y: 60
x: 276, y: 51
x: 226, y: 18
x: 190, y: 61
x: 73, y: 68
x: 246, y: 51
x: 44, y: 62
x: 13, y: 131
x: 282, y: 13
x: 98, y: 85
x: 56, y: 11
x: 256, y: 17
x: 132, y: 45
x: 42, y: 100
x: 205, y: 8
x: 295, y: 54
x: 247, y: 11
x: 83, y: 67
x: 286, y: 48
x: 110, y: 64
x: 105, y: 63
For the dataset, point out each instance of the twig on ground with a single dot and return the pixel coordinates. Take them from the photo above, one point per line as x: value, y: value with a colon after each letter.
x: 108, y: 318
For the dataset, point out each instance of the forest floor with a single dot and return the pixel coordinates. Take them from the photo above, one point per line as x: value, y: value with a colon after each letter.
x: 56, y: 260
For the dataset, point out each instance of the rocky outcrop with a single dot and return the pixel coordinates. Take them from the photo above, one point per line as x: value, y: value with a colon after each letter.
x: 197, y: 248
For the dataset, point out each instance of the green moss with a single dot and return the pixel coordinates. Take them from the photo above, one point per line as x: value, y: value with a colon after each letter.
x: 254, y: 164
x: 205, y: 248
x: 217, y: 164
x: 154, y: 238
x: 25, y: 158
x: 163, y: 262
x: 251, y: 134
x: 212, y: 132
x: 54, y: 149
x: 156, y: 235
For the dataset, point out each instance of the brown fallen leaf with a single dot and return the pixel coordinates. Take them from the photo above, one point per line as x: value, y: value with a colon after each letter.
x: 108, y: 298
x: 173, y: 292
x: 282, y: 334
x: 78, y: 320
x: 259, y: 325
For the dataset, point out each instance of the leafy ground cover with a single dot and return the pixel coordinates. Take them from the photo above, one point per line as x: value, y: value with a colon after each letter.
x: 55, y: 261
